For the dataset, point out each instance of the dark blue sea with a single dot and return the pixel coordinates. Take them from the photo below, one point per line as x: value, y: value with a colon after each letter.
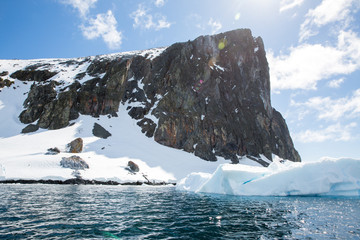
x: 117, y: 212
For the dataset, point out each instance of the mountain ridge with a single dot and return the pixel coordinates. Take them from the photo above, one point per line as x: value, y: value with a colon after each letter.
x: 209, y: 96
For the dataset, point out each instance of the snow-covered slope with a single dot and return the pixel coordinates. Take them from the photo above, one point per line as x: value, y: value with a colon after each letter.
x: 23, y: 156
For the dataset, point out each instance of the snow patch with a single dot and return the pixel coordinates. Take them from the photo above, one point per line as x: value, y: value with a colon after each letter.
x: 151, y: 54
x: 207, y: 100
x: 219, y: 67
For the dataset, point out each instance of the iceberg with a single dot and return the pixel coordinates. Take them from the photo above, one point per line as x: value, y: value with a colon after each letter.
x: 326, y: 177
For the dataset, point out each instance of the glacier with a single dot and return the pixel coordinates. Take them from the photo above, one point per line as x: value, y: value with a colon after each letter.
x: 326, y: 177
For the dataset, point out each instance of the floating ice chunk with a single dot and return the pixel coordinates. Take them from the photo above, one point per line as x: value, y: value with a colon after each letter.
x: 2, y: 172
x: 193, y: 181
x: 328, y: 177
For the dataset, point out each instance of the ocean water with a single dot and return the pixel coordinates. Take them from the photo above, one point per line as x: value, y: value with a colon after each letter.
x: 118, y: 212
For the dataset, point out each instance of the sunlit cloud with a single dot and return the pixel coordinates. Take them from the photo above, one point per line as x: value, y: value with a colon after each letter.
x: 307, y: 64
x: 336, y: 83
x: 215, y: 26
x: 104, y: 25
x: 159, y: 3
x: 329, y: 109
x: 329, y: 11
x: 82, y: 6
x: 143, y: 19
x: 289, y: 4
x: 336, y: 132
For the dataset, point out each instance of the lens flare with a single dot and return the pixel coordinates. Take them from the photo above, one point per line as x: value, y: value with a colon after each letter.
x: 222, y: 44
x: 197, y: 86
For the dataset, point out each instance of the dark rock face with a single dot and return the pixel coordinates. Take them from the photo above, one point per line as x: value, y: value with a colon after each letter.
x: 133, y: 166
x: 30, y: 74
x: 5, y: 83
x: 4, y: 73
x: 100, y: 132
x: 74, y: 162
x: 30, y: 128
x: 75, y: 146
x: 210, y: 97
x: 38, y: 97
x: 53, y: 151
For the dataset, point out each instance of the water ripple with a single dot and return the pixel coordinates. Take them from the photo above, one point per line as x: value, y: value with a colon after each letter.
x: 118, y: 212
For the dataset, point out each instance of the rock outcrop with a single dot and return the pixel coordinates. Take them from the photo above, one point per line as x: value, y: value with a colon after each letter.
x: 5, y: 83
x: 133, y: 166
x: 100, y: 131
x: 53, y: 151
x: 75, y: 146
x: 210, y: 97
x: 30, y: 128
x: 74, y: 162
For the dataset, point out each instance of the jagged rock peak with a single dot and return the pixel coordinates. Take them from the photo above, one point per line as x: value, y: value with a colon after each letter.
x: 209, y: 96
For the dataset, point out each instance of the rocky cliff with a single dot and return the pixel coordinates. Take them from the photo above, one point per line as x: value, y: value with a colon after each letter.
x: 210, y: 96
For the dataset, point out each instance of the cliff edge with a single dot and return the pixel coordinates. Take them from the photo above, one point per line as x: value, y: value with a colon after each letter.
x: 209, y: 96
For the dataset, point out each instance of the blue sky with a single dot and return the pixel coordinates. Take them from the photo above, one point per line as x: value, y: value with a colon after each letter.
x: 313, y: 49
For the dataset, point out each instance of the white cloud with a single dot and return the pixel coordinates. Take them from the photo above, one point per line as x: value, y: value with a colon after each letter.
x: 289, y: 4
x: 329, y: 11
x: 334, y: 109
x: 215, y: 25
x: 142, y: 19
x: 82, y: 6
x: 335, y: 132
x: 336, y: 83
x: 162, y: 23
x: 159, y: 3
x: 104, y: 25
x: 307, y: 64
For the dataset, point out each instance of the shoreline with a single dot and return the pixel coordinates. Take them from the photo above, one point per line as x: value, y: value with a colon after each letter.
x: 79, y: 181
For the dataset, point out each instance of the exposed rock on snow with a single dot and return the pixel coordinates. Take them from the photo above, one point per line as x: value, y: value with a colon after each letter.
x: 133, y: 166
x: 75, y: 146
x: 5, y: 83
x: 147, y: 126
x: 30, y: 128
x: 53, y: 151
x: 100, y: 132
x: 74, y: 162
x: 4, y: 73
x: 31, y: 74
